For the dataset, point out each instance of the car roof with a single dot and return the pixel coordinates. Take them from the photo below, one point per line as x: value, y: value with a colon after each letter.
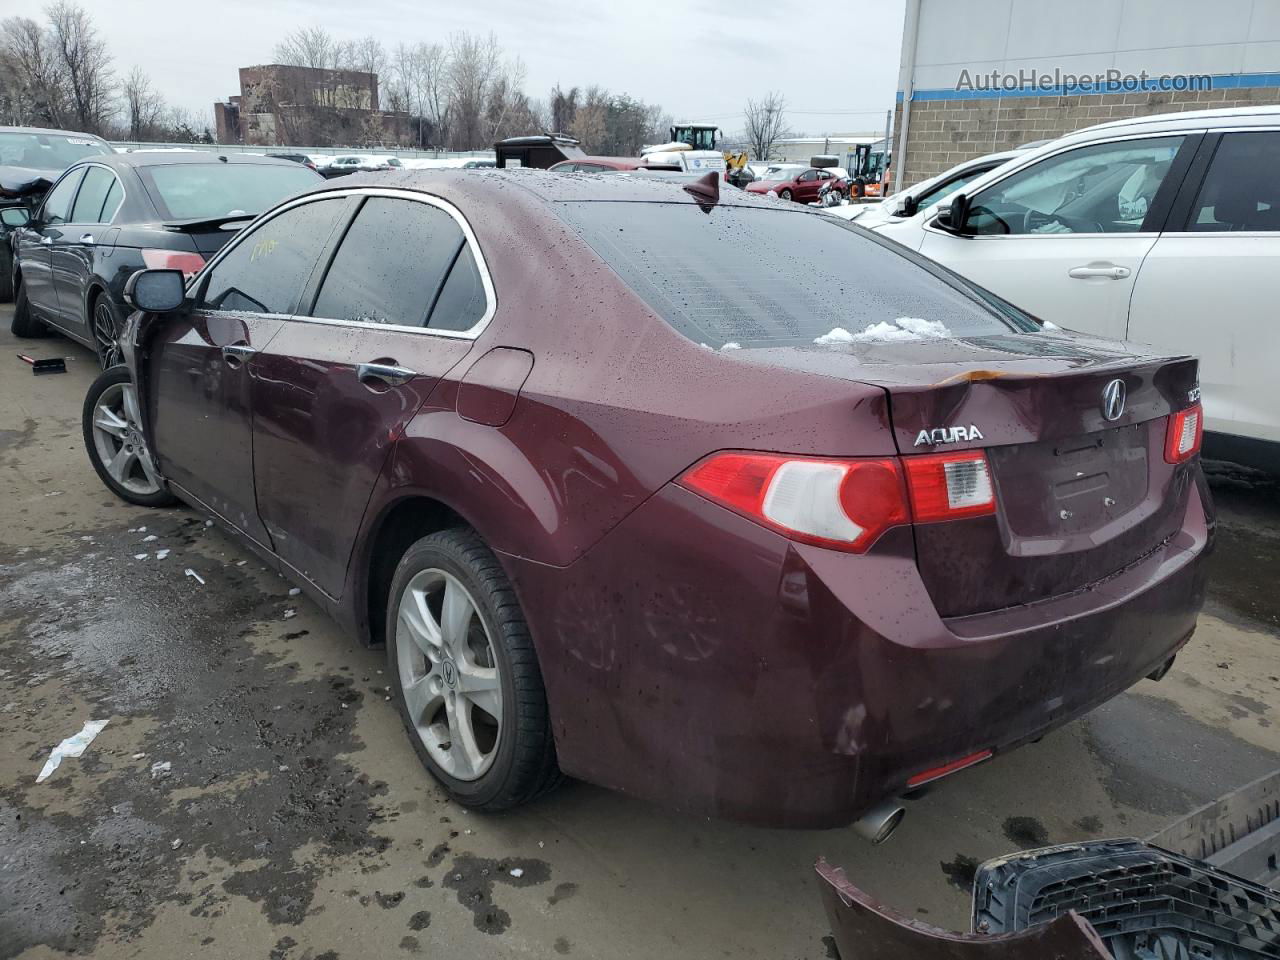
x: 594, y: 158
x: 156, y: 158
x: 1262, y: 114
x: 49, y: 131
x: 487, y: 182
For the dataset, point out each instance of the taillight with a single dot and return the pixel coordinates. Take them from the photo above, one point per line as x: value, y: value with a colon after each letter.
x: 188, y: 263
x: 948, y: 486
x: 843, y: 504
x: 1186, y: 430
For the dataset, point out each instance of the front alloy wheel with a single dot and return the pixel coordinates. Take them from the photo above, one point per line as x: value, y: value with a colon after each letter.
x: 114, y: 440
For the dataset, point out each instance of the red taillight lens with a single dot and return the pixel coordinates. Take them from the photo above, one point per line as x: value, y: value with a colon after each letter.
x: 1186, y: 430
x: 188, y: 263
x: 948, y: 486
x: 843, y: 504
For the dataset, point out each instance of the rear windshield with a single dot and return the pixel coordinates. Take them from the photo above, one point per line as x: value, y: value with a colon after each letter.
x: 47, y: 151
x: 758, y: 277
x: 203, y: 191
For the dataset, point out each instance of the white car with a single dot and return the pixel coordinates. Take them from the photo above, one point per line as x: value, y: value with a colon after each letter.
x: 1162, y: 230
x: 905, y: 213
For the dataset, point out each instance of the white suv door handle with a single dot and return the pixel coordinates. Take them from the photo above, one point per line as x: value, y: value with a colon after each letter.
x: 1105, y: 271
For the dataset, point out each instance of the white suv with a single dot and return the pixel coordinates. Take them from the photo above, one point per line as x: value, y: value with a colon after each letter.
x: 1163, y: 230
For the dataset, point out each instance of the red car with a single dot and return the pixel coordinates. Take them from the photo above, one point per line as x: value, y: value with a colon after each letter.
x: 802, y: 186
x: 596, y: 165
x: 629, y: 497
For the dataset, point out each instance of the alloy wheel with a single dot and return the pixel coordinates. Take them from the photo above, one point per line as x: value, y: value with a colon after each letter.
x: 105, y: 334
x: 117, y: 436
x: 449, y: 674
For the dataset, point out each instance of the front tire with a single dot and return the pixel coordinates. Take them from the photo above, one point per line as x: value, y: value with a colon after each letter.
x: 24, y: 324
x: 785, y: 195
x: 114, y: 440
x: 466, y: 676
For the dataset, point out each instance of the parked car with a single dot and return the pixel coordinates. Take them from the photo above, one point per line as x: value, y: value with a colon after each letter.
x: 1162, y: 229
x: 902, y: 214
x: 597, y: 165
x: 30, y: 160
x: 475, y: 164
x: 109, y: 216
x: 629, y: 497
x: 301, y: 158
x: 801, y: 185
x: 358, y: 163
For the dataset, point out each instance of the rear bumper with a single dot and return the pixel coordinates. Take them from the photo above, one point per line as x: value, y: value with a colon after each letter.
x: 694, y: 658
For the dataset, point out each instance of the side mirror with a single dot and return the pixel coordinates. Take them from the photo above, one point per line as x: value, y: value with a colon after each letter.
x: 15, y: 216
x: 952, y: 218
x: 909, y: 207
x: 156, y: 291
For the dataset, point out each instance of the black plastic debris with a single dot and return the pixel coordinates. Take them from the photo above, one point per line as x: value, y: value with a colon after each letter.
x: 51, y: 365
x: 1144, y: 902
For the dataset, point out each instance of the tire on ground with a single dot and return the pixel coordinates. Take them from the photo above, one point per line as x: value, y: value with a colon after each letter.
x: 525, y: 765
x: 23, y: 323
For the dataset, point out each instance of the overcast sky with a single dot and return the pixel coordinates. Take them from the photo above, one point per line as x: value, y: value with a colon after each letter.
x: 701, y: 59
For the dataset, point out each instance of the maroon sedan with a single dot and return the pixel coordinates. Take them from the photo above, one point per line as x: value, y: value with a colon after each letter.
x: 628, y: 497
x: 801, y: 186
x: 597, y: 165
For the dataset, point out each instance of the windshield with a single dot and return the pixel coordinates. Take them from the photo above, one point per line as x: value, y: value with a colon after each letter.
x: 47, y: 151
x: 203, y: 191
x: 782, y: 173
x: 759, y: 277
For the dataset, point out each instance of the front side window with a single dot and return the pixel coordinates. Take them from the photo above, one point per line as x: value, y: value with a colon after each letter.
x: 57, y: 206
x: 269, y: 267
x: 1241, y: 191
x: 93, y: 195
x: 1104, y: 188
x: 944, y: 190
x: 724, y: 277
x: 391, y: 264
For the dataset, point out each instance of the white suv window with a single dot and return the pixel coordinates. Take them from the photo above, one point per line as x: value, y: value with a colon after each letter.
x: 1241, y: 191
x: 1102, y: 188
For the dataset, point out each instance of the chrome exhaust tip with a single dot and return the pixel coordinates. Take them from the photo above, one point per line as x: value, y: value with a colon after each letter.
x: 879, y: 823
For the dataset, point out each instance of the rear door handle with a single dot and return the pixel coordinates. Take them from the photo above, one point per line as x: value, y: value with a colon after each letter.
x: 1104, y: 271
x: 385, y: 373
x: 237, y: 353
x: 87, y: 239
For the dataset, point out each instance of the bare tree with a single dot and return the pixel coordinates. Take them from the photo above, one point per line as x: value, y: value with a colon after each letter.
x: 366, y: 55
x: 420, y: 75
x: 143, y: 105
x: 766, y: 123
x: 474, y: 62
x: 309, y: 47
x: 86, y: 62
x: 590, y: 120
x: 563, y: 106
x: 34, y: 73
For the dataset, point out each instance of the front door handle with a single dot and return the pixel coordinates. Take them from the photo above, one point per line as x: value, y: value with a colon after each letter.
x: 236, y: 354
x: 1105, y: 271
x: 387, y: 374
x: 46, y: 241
x: 87, y: 239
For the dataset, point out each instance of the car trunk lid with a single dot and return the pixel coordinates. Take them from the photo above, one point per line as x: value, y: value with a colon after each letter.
x: 1082, y: 489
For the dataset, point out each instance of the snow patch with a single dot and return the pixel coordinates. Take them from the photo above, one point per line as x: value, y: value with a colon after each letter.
x: 902, y: 328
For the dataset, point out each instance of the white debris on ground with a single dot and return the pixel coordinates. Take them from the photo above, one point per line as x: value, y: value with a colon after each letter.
x: 294, y: 591
x: 290, y: 614
x: 516, y: 872
x: 74, y: 746
x: 149, y: 537
x: 902, y: 328
x: 140, y: 556
x: 161, y: 769
x: 161, y: 554
x: 193, y: 575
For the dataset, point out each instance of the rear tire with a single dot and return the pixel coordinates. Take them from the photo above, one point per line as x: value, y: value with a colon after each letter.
x: 24, y: 324
x: 113, y: 440
x: 6, y: 270
x: 484, y: 762
x: 104, y: 321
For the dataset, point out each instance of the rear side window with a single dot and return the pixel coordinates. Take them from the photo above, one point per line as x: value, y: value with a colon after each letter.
x: 391, y: 264
x: 462, y: 300
x: 98, y: 182
x: 760, y: 277
x: 1241, y: 190
x: 269, y: 267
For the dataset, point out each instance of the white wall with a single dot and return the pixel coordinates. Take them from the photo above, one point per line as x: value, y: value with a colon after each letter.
x: 1093, y: 36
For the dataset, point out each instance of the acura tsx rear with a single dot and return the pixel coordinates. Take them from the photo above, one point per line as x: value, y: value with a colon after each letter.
x: 713, y: 500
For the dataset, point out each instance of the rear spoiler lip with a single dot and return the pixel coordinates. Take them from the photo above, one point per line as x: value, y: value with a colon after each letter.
x: 206, y: 223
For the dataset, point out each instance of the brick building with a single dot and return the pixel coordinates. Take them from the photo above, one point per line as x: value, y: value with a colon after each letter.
x: 979, y: 76
x: 281, y: 105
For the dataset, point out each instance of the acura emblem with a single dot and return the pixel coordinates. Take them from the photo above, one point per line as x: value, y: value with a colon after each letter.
x: 1113, y: 395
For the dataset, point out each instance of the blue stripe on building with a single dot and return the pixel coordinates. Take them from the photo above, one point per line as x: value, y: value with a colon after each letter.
x: 1224, y: 81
